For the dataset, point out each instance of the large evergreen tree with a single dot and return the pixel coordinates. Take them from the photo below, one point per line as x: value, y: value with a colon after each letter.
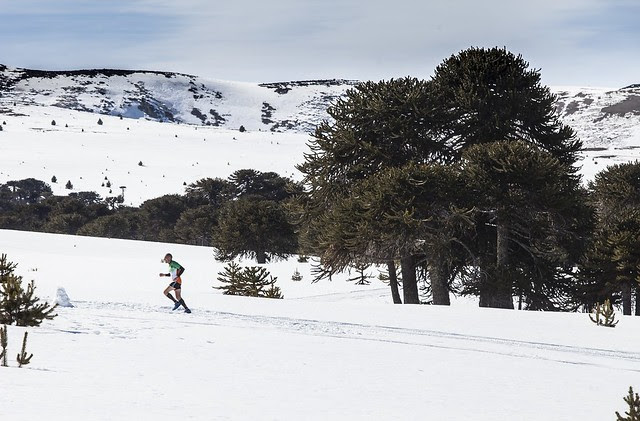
x: 375, y: 126
x: 256, y: 228
x: 486, y: 95
x: 530, y: 206
x: 611, y: 268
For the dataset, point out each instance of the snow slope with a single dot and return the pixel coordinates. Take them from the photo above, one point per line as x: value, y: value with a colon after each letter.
x: 331, y: 350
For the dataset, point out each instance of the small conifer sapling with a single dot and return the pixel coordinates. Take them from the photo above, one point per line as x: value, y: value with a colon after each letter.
x: 22, y: 356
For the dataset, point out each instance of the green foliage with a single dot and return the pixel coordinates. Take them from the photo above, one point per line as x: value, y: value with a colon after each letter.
x: 486, y: 95
x: 539, y: 212
x: 633, y: 414
x: 3, y: 343
x: 267, y: 185
x: 255, y: 228
x: 22, y: 356
x: 28, y: 191
x: 253, y: 281
x: 196, y: 225
x: 603, y: 315
x: 611, y: 267
x: 160, y: 216
x: 17, y: 305
x: 210, y: 191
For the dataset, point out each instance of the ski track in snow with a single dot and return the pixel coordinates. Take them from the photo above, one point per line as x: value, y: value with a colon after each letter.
x: 106, y: 317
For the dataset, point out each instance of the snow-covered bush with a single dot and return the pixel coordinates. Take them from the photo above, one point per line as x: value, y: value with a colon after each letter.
x: 62, y: 299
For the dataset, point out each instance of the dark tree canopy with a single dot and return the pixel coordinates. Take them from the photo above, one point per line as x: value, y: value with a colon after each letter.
x: 487, y: 95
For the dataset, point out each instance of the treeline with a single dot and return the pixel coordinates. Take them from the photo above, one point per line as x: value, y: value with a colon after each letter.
x: 467, y: 183
x: 243, y: 215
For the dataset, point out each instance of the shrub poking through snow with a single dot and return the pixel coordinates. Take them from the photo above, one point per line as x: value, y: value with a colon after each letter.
x: 68, y: 186
x: 100, y: 123
x: 603, y: 315
x: 633, y: 414
x: 253, y: 281
x: 296, y: 276
x: 17, y: 305
x: 22, y: 356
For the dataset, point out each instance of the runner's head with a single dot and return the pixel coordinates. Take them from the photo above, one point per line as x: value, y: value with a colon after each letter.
x: 168, y: 258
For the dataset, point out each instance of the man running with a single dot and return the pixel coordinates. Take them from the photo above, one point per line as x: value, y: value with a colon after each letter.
x: 175, y: 270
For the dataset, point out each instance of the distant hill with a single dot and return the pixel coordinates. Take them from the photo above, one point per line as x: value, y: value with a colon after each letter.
x: 601, y: 117
x: 174, y: 97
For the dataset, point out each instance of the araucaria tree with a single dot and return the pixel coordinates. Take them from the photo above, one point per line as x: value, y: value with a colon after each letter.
x: 611, y: 268
x: 476, y: 97
x: 532, y: 206
x: 375, y: 126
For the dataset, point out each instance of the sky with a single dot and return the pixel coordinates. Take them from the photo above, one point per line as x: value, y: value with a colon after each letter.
x: 572, y: 42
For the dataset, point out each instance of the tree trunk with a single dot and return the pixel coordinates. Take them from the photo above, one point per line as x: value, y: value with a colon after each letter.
x: 502, y: 298
x: 393, y: 282
x: 439, y: 284
x: 409, y: 280
x: 626, y: 298
x: 261, y: 257
x: 637, y: 300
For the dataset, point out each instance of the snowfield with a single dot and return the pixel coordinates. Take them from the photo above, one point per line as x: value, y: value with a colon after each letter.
x: 329, y: 350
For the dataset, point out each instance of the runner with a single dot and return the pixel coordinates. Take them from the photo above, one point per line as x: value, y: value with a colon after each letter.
x: 175, y: 270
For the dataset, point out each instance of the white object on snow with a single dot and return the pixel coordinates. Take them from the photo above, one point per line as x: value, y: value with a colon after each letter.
x: 62, y: 299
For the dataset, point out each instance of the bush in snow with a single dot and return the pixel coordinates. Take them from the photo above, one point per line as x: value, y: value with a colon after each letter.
x: 251, y: 281
x: 100, y: 122
x: 68, y: 186
x: 603, y: 315
x: 296, y: 276
x: 53, y: 122
x: 633, y: 400
x: 17, y: 305
x: 242, y: 129
x: 54, y: 179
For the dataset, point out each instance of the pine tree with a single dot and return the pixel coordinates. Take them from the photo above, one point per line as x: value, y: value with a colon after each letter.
x: 17, y: 305
x: 100, y: 122
x: 616, y: 245
x: 68, y: 186
x: 54, y: 179
x: 296, y: 276
x: 633, y: 414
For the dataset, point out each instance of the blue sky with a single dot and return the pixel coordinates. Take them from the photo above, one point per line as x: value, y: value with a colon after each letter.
x: 573, y: 42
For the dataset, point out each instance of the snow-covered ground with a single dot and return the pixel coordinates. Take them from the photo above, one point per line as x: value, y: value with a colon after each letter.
x: 330, y: 350
x: 90, y: 155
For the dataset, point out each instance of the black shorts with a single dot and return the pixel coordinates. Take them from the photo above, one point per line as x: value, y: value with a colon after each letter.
x: 175, y: 285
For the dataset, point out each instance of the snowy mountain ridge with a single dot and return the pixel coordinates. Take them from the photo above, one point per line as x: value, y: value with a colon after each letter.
x: 601, y: 117
x: 174, y: 97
